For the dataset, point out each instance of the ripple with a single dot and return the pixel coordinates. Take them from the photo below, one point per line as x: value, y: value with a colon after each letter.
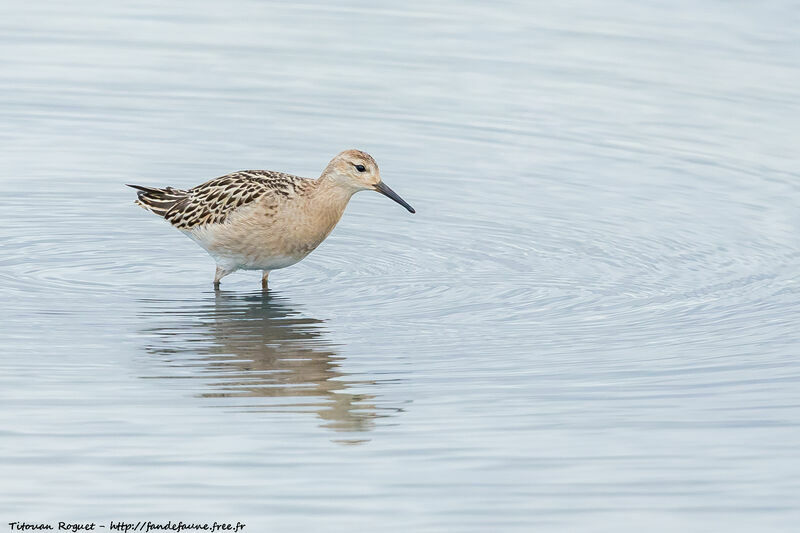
x: 452, y: 265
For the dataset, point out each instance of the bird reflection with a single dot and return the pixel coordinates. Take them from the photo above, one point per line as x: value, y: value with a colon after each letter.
x: 256, y: 346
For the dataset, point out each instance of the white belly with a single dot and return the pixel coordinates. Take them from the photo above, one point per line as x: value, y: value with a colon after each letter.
x: 240, y: 255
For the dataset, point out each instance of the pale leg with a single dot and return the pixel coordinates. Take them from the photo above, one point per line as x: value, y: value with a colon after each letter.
x: 221, y: 273
x: 264, y: 277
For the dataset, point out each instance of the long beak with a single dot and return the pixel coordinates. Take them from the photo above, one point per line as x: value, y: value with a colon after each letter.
x: 384, y: 189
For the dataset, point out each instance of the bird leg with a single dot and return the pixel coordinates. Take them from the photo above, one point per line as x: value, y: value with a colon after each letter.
x: 264, y: 277
x: 221, y: 273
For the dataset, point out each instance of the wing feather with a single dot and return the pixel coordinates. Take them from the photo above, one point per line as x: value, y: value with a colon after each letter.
x: 213, y: 201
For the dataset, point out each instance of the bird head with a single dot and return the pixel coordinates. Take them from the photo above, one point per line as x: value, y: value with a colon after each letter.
x: 357, y: 171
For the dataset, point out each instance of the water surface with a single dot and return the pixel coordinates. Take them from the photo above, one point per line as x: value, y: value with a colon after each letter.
x: 591, y: 323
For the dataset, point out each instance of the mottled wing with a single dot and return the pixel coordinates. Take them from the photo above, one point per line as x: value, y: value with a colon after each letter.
x: 213, y: 201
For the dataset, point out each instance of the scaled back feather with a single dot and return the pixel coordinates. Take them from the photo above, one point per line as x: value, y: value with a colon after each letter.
x: 213, y: 201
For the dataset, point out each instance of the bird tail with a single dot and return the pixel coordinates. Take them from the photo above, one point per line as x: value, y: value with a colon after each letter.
x: 158, y: 201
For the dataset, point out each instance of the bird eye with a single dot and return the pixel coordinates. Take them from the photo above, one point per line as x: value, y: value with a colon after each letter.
x: 361, y: 168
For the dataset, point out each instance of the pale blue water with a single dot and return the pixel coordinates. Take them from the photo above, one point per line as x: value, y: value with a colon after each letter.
x: 591, y: 324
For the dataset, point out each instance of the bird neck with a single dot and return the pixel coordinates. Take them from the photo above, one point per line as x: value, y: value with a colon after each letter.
x: 328, y: 188
x: 330, y: 196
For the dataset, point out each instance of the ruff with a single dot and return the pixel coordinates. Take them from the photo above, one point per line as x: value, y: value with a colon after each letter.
x: 265, y: 220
